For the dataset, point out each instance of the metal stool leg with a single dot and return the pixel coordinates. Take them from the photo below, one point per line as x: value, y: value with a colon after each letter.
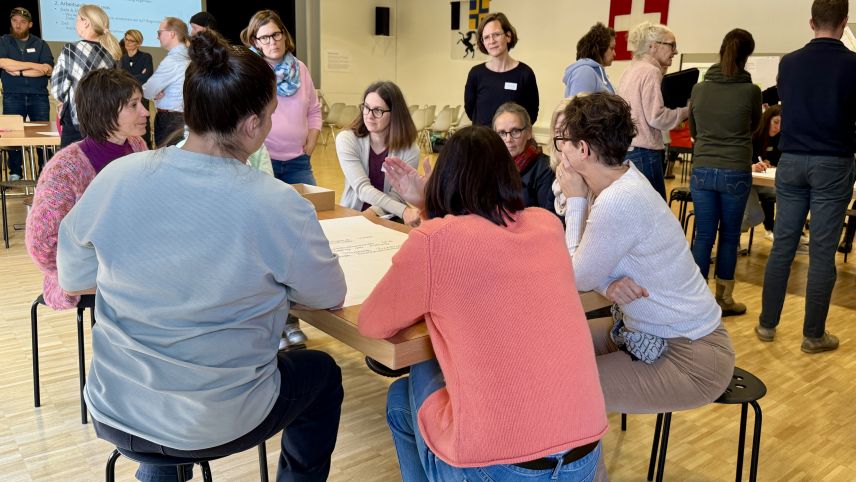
x: 5, y: 227
x: 756, y: 442
x: 623, y: 422
x: 206, y: 472
x: 110, y: 475
x: 34, y: 332
x: 81, y: 365
x: 664, y: 445
x: 263, y: 469
x: 179, y: 472
x: 741, y: 442
x: 654, y: 445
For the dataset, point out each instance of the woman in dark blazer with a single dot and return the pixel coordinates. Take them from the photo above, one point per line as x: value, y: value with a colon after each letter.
x: 139, y: 64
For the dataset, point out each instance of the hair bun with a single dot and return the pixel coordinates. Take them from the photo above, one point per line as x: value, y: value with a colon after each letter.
x: 209, y: 51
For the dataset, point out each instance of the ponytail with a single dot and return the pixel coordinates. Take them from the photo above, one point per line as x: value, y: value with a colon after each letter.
x: 100, y: 23
x: 737, y: 46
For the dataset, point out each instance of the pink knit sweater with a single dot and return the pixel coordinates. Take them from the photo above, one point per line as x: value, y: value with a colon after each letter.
x: 509, y: 332
x: 61, y: 184
x: 641, y: 87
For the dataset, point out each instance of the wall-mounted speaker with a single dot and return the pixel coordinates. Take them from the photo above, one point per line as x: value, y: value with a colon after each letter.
x: 381, y: 21
x: 456, y: 16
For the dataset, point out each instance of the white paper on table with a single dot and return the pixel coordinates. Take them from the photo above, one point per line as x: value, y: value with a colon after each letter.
x: 49, y: 133
x: 365, y: 252
x: 35, y: 124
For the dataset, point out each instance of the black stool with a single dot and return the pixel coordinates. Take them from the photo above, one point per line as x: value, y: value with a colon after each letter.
x: 158, y: 459
x: 86, y: 301
x: 683, y: 196
x: 744, y: 389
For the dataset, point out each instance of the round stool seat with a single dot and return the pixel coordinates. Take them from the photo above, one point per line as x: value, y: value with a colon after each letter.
x: 160, y: 459
x: 681, y: 193
x: 744, y: 388
x: 22, y: 183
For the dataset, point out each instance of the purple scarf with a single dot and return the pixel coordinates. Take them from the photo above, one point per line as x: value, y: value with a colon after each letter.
x: 101, y: 153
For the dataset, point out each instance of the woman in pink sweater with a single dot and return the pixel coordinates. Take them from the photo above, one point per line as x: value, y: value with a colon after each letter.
x: 480, y: 267
x: 112, y: 119
x: 296, y: 122
x: 653, y: 46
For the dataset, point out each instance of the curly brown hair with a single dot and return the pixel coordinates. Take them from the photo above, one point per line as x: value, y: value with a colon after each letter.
x: 594, y: 44
x: 602, y: 120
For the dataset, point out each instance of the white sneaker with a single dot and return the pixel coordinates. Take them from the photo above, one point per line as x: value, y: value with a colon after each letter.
x: 768, y: 235
x: 14, y: 177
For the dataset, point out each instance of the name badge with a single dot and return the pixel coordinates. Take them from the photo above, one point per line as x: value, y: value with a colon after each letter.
x: 511, y: 86
x: 31, y: 50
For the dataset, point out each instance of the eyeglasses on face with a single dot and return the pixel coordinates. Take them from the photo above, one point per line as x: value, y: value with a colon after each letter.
x: 164, y: 30
x: 129, y: 40
x: 513, y: 133
x: 492, y: 36
x: 562, y: 139
x: 673, y: 45
x: 376, y: 112
x: 265, y: 39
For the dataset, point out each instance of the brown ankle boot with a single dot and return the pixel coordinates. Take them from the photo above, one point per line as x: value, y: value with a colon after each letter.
x: 724, y: 290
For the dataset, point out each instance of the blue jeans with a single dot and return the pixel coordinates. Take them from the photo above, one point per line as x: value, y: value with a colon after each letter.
x: 822, y: 185
x: 294, y: 171
x: 419, y: 464
x: 306, y: 412
x: 34, y: 106
x: 650, y: 163
x: 719, y: 200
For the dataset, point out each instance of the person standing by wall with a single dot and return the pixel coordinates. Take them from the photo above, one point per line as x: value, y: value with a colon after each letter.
x: 595, y: 52
x: 815, y: 173
x: 139, y: 65
x: 166, y: 84
x: 25, y: 64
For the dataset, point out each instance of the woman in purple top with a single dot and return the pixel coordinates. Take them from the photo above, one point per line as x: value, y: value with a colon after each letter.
x: 112, y: 117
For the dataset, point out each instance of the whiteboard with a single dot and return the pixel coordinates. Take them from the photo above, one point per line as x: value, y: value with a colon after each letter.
x: 763, y: 67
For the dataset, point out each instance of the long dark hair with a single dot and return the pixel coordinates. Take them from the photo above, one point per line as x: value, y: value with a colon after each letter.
x: 402, y: 130
x: 736, y: 48
x: 762, y: 133
x: 475, y: 174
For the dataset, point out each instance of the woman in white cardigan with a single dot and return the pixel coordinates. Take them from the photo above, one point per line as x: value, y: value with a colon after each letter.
x: 384, y: 129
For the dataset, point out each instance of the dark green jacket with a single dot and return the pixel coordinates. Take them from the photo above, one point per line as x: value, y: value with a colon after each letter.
x: 723, y: 113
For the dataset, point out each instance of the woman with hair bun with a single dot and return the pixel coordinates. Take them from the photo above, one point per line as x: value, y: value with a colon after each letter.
x: 195, y: 258
x: 653, y: 48
x: 724, y: 110
x: 98, y: 49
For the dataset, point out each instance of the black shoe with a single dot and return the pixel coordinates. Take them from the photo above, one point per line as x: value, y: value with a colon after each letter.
x: 845, y: 247
x: 384, y: 370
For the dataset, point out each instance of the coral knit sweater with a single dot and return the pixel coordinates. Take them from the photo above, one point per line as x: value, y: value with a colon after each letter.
x: 509, y: 332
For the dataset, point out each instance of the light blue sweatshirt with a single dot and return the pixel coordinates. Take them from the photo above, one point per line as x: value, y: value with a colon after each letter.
x: 586, y: 75
x: 196, y: 260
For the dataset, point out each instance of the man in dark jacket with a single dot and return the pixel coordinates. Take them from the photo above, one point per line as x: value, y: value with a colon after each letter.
x: 817, y: 85
x: 26, y: 64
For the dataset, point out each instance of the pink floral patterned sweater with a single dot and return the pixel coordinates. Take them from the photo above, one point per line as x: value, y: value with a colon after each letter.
x: 61, y: 184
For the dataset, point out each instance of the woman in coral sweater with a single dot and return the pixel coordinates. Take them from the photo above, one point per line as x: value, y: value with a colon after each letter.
x: 491, y: 405
x: 112, y: 118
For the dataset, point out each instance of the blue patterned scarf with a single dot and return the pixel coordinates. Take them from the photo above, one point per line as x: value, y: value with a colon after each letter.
x: 287, y: 74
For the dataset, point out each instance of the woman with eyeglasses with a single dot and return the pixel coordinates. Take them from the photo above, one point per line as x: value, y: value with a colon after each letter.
x: 500, y: 402
x: 501, y: 79
x: 665, y: 348
x: 724, y: 110
x: 384, y: 129
x: 97, y: 49
x: 139, y: 65
x: 653, y: 48
x: 511, y: 122
x: 297, y: 118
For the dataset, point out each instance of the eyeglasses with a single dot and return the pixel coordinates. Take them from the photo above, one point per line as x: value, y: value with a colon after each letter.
x: 492, y: 36
x: 265, y: 39
x: 513, y: 133
x: 673, y: 45
x: 558, y: 139
x: 376, y: 112
x: 130, y: 41
x: 162, y: 31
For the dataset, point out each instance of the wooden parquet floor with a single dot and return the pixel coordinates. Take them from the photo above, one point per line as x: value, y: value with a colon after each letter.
x: 810, y: 404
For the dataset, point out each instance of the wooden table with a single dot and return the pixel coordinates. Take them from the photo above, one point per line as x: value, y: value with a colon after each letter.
x: 407, y: 347
x: 29, y: 139
x: 768, y: 179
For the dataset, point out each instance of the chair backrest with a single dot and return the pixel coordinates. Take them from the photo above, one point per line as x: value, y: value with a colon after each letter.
x: 456, y: 115
x: 335, y: 112
x: 419, y: 119
x: 429, y: 115
x: 349, y: 113
x: 412, y: 108
x: 11, y: 122
x: 325, y: 107
x: 444, y: 121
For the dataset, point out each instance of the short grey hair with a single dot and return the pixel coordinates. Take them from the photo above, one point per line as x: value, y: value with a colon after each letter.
x: 644, y: 35
x: 516, y: 109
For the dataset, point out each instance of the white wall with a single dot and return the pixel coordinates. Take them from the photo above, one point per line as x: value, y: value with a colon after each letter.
x: 417, y: 56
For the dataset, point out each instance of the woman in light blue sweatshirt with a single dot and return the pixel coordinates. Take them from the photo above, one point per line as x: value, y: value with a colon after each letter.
x: 595, y: 50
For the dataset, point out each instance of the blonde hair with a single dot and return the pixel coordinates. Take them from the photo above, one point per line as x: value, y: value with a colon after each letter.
x: 554, y: 155
x: 178, y: 26
x: 644, y: 35
x: 136, y: 35
x: 100, y: 23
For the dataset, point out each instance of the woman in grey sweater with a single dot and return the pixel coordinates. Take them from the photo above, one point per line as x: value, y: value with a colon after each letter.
x: 724, y: 111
